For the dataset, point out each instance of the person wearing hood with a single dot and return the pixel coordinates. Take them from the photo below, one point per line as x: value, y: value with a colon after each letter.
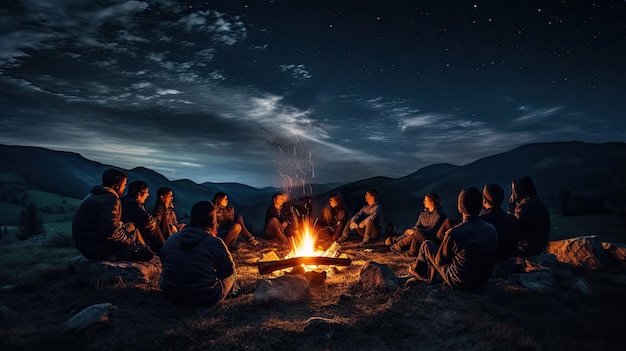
x: 133, y: 210
x: 97, y: 228
x: 533, y: 217
x: 197, y: 266
x: 468, y: 252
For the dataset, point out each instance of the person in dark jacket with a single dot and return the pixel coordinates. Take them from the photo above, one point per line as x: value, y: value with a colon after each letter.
x: 468, y: 252
x: 533, y: 217
x: 97, y: 228
x: 428, y: 222
x: 279, y: 220
x: 197, y: 266
x: 133, y: 210
x: 333, y: 218
x: 229, y: 223
x: 505, y: 223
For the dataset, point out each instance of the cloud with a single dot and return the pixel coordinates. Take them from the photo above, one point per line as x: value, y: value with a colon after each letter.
x: 297, y: 71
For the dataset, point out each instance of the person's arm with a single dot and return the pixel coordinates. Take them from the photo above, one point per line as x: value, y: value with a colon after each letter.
x: 111, y: 226
x: 376, y: 211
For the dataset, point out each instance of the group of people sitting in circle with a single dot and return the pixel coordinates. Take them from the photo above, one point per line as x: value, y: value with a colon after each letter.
x: 197, y: 266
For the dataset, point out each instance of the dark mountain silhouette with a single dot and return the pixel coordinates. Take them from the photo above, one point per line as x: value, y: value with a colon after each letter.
x: 570, y: 176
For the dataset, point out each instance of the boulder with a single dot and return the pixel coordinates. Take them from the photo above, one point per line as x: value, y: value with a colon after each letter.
x: 288, y: 288
x: 615, y: 251
x: 378, y: 276
x: 540, y: 281
x: 106, y: 273
x: 582, y: 252
x: 99, y: 314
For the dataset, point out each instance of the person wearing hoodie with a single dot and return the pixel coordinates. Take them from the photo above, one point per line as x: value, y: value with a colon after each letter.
x: 197, y: 266
x: 97, y: 228
x: 533, y: 217
x: 468, y: 252
x: 133, y: 210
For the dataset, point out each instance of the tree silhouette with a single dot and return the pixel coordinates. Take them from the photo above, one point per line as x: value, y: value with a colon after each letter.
x: 30, y: 222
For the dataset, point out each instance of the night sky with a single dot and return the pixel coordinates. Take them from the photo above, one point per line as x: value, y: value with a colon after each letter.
x: 278, y: 92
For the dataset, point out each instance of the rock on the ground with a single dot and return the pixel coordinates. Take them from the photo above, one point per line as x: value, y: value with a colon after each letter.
x: 288, y: 288
x: 92, y: 315
x: 104, y: 273
x: 583, y: 251
x: 374, y: 275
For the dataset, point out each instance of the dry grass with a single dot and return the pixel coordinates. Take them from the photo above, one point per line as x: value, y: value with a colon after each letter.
x: 340, y: 314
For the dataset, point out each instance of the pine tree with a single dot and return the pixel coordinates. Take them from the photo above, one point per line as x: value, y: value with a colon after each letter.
x: 30, y: 222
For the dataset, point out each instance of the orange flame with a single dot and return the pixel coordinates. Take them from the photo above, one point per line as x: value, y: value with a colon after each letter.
x: 303, y: 243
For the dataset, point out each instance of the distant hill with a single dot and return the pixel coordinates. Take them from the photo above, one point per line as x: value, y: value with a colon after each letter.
x: 573, y: 177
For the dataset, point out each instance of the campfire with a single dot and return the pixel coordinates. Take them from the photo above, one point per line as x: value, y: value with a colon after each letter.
x: 304, y: 253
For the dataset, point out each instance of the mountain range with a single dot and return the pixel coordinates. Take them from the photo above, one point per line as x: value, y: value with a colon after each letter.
x: 573, y: 178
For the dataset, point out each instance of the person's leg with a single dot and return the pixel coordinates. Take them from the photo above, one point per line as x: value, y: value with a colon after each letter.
x: 403, y: 240
x: 345, y: 232
x: 370, y: 232
x: 429, y: 251
x: 229, y: 235
x: 416, y: 242
x: 244, y: 231
x: 274, y: 231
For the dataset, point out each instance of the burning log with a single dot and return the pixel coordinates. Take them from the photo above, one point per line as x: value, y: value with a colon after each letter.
x: 266, y: 267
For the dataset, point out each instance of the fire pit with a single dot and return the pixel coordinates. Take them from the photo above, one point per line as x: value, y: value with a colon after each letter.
x: 303, y: 254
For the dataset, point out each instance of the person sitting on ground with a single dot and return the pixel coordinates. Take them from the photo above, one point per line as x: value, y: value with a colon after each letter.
x: 333, y: 218
x: 229, y: 223
x: 163, y: 212
x: 533, y: 217
x: 279, y: 221
x: 468, y: 252
x: 133, y: 210
x: 197, y: 266
x: 505, y: 223
x: 425, y: 228
x: 368, y: 222
x: 97, y: 228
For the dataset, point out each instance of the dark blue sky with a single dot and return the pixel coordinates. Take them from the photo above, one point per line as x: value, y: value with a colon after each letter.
x: 278, y: 92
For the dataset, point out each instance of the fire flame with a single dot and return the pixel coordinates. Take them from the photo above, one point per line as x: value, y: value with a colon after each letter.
x: 303, y: 244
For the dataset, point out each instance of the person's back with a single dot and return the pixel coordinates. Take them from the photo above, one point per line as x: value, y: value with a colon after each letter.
x: 98, y: 231
x: 469, y: 251
x: 90, y: 230
x: 505, y: 223
x: 197, y: 266
x: 532, y: 215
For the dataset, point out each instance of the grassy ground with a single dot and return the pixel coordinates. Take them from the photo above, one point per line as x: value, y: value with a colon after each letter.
x: 42, y: 294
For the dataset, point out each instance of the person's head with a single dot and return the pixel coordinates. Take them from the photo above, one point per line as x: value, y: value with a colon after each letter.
x: 220, y: 199
x: 165, y: 195
x: 371, y: 196
x: 334, y: 200
x: 203, y: 215
x: 115, y: 179
x: 139, y: 190
x: 493, y: 195
x: 522, y: 188
x: 470, y: 201
x: 279, y: 199
x: 431, y: 201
